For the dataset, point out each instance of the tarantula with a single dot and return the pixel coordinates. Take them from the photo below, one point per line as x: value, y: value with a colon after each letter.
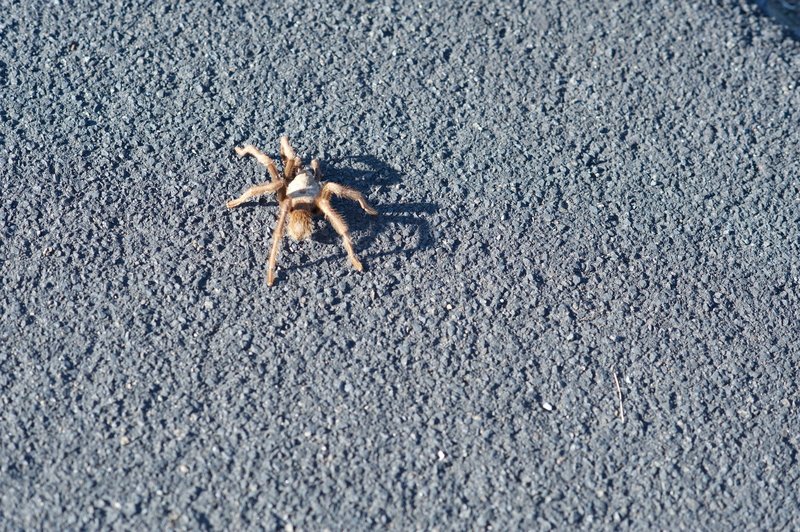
x: 301, y: 194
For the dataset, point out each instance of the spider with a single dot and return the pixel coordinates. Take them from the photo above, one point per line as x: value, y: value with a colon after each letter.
x: 301, y: 194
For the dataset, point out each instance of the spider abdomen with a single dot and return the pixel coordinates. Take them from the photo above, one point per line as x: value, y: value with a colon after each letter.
x: 303, y: 186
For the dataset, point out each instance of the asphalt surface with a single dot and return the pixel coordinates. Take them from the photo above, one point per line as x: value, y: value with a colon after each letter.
x: 580, y: 300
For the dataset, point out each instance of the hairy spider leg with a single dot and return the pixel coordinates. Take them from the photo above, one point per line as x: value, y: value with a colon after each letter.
x: 257, y: 190
x: 291, y: 162
x: 277, y: 236
x: 261, y: 157
x: 349, y: 193
x: 341, y: 227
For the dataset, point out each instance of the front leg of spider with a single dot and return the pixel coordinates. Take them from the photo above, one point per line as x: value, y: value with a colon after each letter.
x: 277, y: 236
x: 261, y: 157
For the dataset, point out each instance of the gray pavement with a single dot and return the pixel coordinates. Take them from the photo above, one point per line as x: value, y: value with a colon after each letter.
x: 580, y: 301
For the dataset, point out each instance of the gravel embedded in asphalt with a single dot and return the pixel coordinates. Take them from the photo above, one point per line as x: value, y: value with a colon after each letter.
x: 587, y: 213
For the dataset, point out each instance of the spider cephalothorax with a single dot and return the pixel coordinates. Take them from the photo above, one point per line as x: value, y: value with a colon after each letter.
x: 300, y: 194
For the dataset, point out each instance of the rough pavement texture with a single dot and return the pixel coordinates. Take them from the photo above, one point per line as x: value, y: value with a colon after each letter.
x: 566, y: 194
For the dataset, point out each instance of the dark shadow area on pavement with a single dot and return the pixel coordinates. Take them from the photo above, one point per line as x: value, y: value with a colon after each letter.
x: 784, y: 12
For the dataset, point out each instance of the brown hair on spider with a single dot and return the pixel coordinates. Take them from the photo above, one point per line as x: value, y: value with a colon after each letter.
x: 300, y: 225
x: 301, y: 193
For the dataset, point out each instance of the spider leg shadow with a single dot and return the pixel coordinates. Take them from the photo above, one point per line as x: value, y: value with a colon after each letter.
x: 402, y: 214
x: 360, y: 171
x: 257, y: 203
